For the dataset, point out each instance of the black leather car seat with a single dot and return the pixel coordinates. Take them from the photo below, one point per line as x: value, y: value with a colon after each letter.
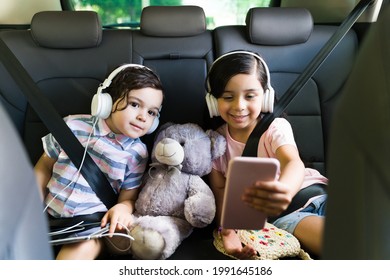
x: 68, y: 55
x: 174, y: 41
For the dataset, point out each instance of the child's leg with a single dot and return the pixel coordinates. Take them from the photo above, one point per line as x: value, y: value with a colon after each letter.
x: 307, y: 225
x: 86, y: 250
x: 309, y: 232
x: 233, y: 245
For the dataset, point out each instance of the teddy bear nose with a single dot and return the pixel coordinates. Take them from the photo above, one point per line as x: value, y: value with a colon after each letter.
x: 169, y: 151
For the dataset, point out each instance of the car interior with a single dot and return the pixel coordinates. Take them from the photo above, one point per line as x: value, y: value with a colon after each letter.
x: 69, y: 53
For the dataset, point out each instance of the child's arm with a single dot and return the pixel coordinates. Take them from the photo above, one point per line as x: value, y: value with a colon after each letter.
x: 119, y: 216
x: 43, y: 171
x: 274, y: 197
x: 291, y: 167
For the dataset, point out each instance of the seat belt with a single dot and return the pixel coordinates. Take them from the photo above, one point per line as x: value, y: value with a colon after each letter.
x: 253, y: 141
x: 57, y: 126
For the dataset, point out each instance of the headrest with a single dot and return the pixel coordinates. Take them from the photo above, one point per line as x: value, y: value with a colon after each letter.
x: 173, y: 21
x: 66, y: 29
x: 278, y: 26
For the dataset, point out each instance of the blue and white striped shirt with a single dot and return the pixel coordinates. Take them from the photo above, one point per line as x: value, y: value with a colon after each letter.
x: 122, y: 159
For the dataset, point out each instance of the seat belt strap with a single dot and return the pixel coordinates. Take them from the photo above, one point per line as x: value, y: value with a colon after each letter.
x: 57, y: 126
x: 253, y: 141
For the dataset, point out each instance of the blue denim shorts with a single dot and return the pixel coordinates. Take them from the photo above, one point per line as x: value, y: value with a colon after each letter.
x: 290, y: 221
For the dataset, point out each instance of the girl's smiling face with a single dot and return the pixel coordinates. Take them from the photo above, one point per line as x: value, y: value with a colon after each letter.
x: 240, y: 104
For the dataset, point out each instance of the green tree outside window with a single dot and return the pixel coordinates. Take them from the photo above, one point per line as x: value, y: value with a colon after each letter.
x: 127, y: 13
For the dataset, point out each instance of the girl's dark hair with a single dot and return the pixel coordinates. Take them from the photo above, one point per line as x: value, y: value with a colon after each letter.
x: 129, y: 79
x: 227, y: 67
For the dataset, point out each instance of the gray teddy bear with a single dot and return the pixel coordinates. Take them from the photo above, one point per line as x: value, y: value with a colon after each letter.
x: 175, y: 199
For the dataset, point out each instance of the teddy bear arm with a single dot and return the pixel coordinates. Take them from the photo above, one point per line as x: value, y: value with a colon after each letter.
x: 199, y: 207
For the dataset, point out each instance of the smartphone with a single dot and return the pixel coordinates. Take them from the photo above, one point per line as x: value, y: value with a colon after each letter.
x: 243, y: 172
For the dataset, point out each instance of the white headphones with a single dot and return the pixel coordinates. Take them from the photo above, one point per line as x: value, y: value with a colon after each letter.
x: 101, y: 105
x: 269, y: 93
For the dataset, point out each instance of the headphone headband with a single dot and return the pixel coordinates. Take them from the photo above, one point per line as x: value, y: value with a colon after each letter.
x: 108, y: 80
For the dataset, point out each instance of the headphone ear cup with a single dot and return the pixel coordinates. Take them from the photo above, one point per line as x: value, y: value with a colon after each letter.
x: 212, y: 105
x: 268, y: 101
x: 101, y: 105
x: 154, y: 126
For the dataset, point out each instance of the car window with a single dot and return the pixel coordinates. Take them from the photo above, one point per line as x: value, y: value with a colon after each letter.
x: 127, y: 13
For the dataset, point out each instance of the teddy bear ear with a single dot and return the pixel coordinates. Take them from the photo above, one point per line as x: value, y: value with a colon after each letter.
x: 218, y: 144
x: 161, y: 128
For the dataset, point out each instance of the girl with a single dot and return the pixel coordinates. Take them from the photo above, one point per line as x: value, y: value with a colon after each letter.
x: 240, y: 93
x: 120, y: 116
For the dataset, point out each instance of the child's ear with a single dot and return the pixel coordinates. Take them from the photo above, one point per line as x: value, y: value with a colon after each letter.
x: 218, y: 144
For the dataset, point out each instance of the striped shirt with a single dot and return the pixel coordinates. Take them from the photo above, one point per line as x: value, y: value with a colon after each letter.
x: 122, y: 159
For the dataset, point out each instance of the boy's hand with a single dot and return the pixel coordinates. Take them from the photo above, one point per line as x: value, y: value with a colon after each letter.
x: 119, y: 217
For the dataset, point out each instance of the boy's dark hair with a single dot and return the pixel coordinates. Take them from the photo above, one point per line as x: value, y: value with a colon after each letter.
x: 129, y: 79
